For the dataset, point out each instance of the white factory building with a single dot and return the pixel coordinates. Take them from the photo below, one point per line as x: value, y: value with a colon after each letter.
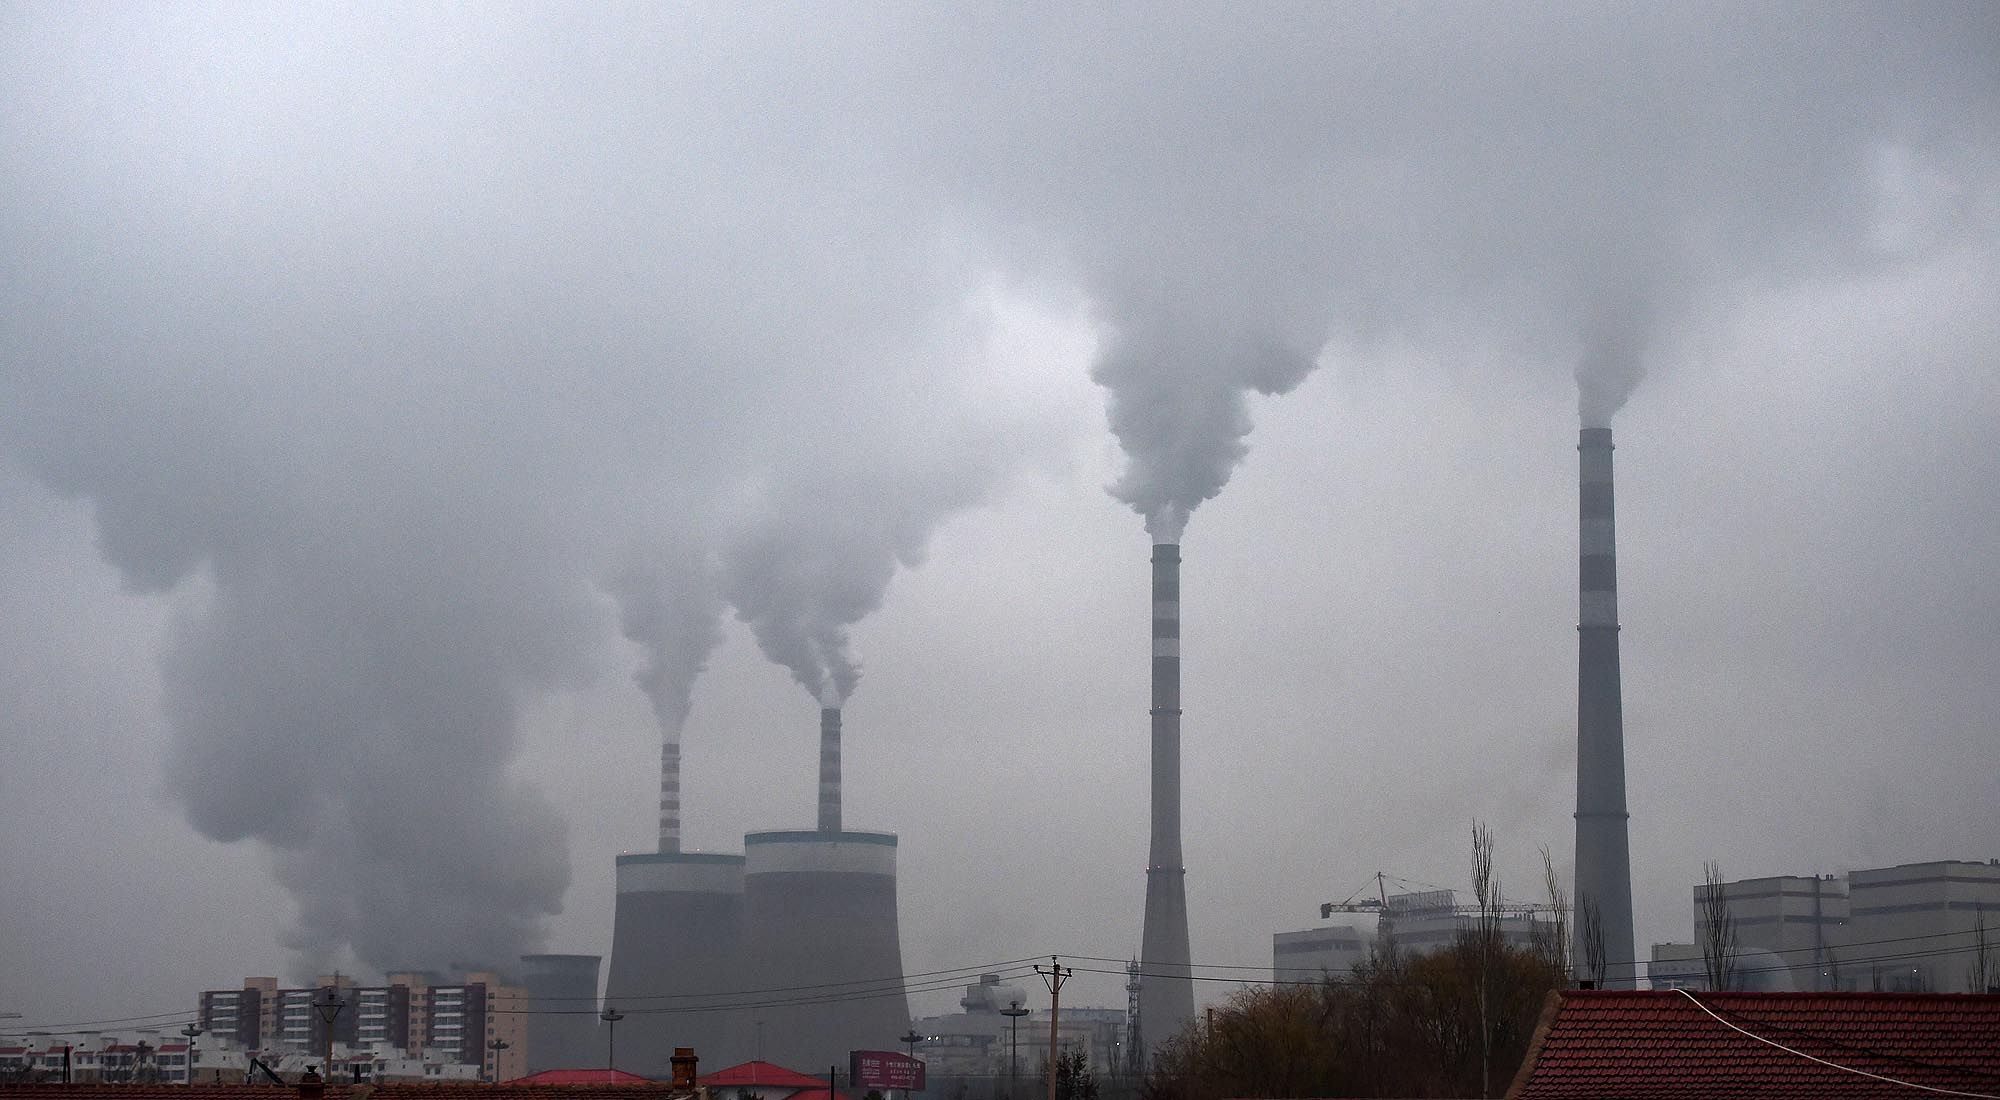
x: 1915, y: 927
x: 1414, y: 923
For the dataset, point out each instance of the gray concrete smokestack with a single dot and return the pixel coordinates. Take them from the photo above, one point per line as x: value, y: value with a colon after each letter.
x: 1166, y: 990
x: 670, y: 797
x: 562, y: 1011
x: 1603, y: 852
x: 677, y: 962
x: 829, y: 769
x: 819, y: 912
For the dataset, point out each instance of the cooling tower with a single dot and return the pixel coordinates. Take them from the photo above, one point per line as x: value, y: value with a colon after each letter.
x: 562, y: 1011
x: 1603, y: 856
x: 676, y: 961
x: 819, y: 911
x: 1166, y: 992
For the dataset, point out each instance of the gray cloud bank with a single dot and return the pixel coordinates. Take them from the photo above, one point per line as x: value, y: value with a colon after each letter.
x: 431, y: 350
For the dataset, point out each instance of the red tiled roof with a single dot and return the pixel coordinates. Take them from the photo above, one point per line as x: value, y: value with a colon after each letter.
x: 581, y: 1077
x: 1664, y: 1045
x: 760, y: 1075
x: 393, y: 1090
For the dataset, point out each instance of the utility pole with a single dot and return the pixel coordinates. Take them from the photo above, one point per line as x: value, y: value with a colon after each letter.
x: 329, y: 1007
x: 1054, y: 977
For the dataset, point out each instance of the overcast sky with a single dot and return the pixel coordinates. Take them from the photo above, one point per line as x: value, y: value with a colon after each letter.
x: 398, y: 410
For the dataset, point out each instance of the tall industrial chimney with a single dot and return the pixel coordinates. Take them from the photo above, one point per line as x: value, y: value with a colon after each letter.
x: 1603, y: 852
x: 670, y: 796
x: 1166, y: 992
x: 829, y: 769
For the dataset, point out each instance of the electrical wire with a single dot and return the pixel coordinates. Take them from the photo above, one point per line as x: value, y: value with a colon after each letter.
x: 1834, y: 1065
x: 930, y: 981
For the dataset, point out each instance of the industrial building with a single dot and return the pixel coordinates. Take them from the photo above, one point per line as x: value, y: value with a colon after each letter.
x: 982, y: 1045
x: 1414, y: 923
x: 1916, y: 927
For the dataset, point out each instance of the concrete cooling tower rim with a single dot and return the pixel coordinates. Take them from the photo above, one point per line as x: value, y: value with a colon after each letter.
x: 811, y: 851
x: 680, y: 873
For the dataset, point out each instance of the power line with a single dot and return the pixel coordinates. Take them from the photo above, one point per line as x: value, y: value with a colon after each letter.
x: 1834, y: 1065
x: 939, y: 980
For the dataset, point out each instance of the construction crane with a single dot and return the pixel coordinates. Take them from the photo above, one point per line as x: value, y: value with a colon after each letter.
x: 1424, y: 899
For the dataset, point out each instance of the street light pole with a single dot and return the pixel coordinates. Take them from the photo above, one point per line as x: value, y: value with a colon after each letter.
x: 611, y: 1016
x: 496, y: 1046
x: 1013, y: 1012
x: 190, y: 1031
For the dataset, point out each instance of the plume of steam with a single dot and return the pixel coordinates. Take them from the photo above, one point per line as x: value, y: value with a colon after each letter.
x: 807, y: 563
x: 800, y: 588
x: 1611, y: 361
x: 361, y: 722
x: 1177, y: 403
x: 668, y: 603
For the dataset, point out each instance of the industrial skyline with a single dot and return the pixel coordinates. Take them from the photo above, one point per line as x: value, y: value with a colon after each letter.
x: 413, y: 423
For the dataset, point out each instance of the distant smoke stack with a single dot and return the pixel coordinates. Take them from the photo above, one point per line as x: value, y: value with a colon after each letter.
x: 829, y: 769
x: 1166, y: 995
x: 670, y: 797
x: 1603, y: 850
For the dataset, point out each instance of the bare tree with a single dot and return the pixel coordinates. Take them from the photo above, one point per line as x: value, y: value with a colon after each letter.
x: 1718, y: 928
x: 1552, y: 936
x: 1487, y: 890
x: 1981, y: 976
x: 1590, y: 930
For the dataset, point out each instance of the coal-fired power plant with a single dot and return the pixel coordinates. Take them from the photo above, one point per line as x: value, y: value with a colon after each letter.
x: 1166, y: 989
x: 562, y: 1010
x: 789, y: 952
x: 1603, y: 928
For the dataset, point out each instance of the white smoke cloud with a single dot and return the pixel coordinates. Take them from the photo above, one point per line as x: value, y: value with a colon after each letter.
x: 669, y: 604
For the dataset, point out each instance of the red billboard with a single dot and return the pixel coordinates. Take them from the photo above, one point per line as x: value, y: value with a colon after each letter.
x: 885, y: 1069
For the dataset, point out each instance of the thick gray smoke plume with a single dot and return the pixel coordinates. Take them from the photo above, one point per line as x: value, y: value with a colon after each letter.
x: 1615, y: 340
x: 668, y: 603
x: 379, y: 345
x: 806, y: 565
x: 1559, y: 183
x: 1177, y: 405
